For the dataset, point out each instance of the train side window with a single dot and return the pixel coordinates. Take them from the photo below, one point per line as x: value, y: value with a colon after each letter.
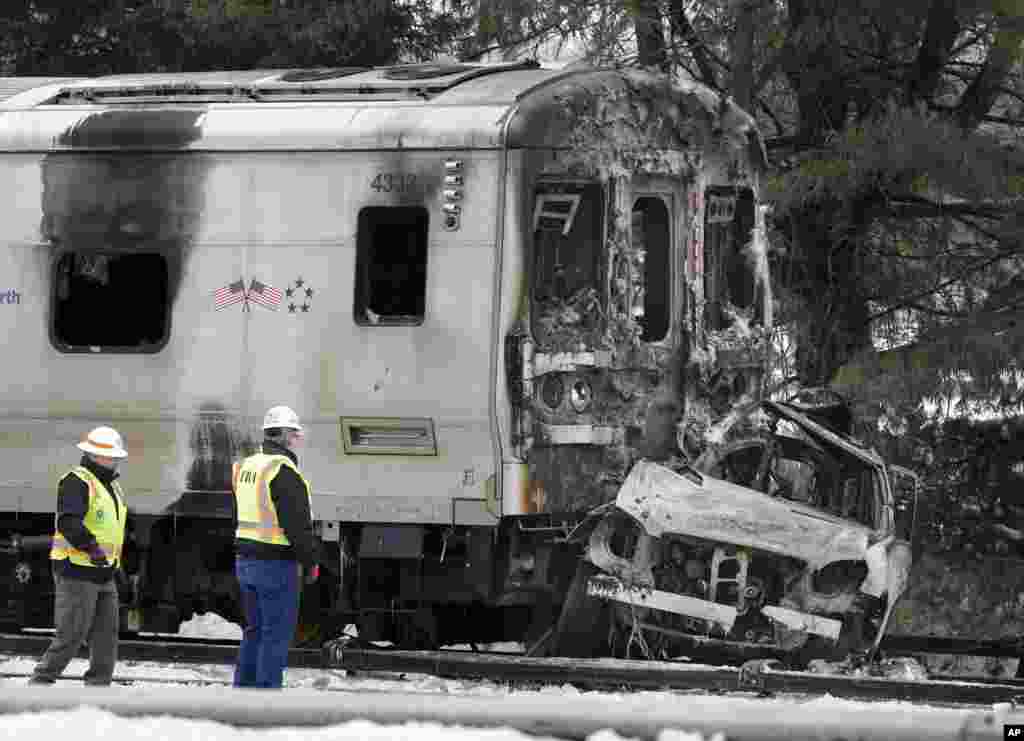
x: 651, y: 286
x: 110, y: 302
x: 391, y: 266
x: 729, y: 274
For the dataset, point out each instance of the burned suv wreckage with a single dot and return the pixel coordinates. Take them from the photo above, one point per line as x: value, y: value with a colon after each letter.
x: 785, y: 536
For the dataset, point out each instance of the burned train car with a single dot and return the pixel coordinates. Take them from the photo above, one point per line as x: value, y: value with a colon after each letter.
x: 787, y: 537
x: 488, y: 290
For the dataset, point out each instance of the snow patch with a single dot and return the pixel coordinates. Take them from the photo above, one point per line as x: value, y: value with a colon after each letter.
x: 87, y: 724
x: 210, y: 625
x: 508, y: 647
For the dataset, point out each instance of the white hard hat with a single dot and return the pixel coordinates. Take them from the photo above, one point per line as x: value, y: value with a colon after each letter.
x: 104, y: 441
x: 281, y: 417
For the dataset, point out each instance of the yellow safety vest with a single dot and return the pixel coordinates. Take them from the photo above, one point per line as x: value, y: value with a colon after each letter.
x: 105, y: 522
x: 257, y: 515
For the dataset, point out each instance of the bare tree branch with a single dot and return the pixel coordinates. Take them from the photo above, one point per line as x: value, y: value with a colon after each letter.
x: 977, y: 100
x: 914, y: 206
x: 946, y: 283
x: 682, y: 29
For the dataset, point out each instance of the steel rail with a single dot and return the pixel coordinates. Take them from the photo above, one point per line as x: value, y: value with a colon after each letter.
x: 756, y: 677
x: 187, y: 651
x: 121, y: 679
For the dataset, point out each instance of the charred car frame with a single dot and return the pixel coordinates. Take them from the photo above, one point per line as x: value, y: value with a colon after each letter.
x: 788, y: 535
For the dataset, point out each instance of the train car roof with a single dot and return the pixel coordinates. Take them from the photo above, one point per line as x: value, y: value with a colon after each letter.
x: 417, y: 106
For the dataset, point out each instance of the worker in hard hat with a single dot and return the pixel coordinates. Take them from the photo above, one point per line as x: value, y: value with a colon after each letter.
x: 276, y: 550
x: 85, y: 556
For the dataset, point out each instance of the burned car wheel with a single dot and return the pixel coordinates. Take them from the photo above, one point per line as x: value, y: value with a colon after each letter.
x: 583, y: 625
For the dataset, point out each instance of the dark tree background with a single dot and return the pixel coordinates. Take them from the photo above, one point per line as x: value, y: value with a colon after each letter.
x: 89, y: 37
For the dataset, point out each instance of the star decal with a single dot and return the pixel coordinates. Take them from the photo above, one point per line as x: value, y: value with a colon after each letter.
x: 300, y: 294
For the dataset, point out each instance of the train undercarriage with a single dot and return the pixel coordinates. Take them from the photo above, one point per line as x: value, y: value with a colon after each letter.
x: 499, y: 584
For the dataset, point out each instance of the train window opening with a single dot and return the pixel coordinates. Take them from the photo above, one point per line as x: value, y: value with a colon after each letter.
x: 730, y: 277
x: 391, y: 266
x: 111, y: 302
x: 651, y: 285
x: 568, y: 243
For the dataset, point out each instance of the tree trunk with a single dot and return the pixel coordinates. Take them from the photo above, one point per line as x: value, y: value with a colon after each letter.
x: 650, y: 39
x: 743, y: 55
x: 825, y: 274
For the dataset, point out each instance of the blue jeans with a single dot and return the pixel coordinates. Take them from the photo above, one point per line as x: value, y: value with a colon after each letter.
x: 270, y: 600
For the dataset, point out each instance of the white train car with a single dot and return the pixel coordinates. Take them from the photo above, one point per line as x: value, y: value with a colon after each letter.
x: 485, y: 289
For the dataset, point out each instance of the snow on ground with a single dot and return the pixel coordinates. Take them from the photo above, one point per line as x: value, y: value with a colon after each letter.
x: 210, y: 625
x: 86, y: 724
x: 89, y: 724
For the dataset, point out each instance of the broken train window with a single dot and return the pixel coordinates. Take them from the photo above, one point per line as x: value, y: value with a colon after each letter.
x: 110, y: 302
x: 391, y: 266
x: 651, y: 285
x: 567, y: 248
x: 730, y: 277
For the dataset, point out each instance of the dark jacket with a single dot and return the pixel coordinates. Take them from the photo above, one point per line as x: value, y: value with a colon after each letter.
x: 72, y: 505
x: 289, y: 496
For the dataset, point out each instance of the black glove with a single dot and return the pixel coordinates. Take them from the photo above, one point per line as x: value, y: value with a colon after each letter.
x: 97, y: 557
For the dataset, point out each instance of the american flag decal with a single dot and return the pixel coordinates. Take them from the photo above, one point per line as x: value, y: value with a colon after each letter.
x: 233, y: 293
x: 265, y: 294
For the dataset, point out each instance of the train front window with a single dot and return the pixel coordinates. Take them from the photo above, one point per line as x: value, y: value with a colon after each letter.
x: 730, y: 280
x: 567, y: 241
x: 110, y: 302
x: 652, y: 281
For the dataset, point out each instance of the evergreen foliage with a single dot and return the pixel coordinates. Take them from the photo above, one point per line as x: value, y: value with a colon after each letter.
x: 93, y: 37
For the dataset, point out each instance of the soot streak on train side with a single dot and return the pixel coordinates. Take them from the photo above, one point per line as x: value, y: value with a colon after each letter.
x: 103, y: 193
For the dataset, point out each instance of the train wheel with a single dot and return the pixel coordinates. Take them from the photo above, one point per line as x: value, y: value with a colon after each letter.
x: 583, y: 625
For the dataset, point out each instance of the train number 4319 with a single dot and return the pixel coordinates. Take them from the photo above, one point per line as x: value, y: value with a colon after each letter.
x: 393, y: 182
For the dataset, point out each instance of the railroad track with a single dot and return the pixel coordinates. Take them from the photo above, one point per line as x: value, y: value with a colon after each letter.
x: 125, y: 680
x: 160, y: 649
x: 758, y: 677
x: 754, y: 677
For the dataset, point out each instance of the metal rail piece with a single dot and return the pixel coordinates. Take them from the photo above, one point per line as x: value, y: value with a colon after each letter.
x: 758, y: 677
x: 194, y: 651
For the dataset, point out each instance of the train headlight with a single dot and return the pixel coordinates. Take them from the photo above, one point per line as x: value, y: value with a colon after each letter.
x: 551, y: 391
x: 581, y: 396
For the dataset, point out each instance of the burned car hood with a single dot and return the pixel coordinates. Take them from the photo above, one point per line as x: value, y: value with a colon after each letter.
x: 663, y: 501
